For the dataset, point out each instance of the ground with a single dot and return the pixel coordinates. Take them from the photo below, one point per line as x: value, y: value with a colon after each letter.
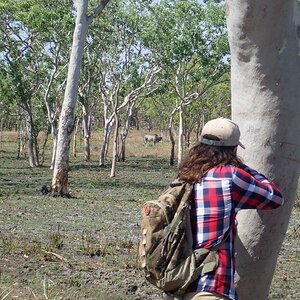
x: 86, y: 247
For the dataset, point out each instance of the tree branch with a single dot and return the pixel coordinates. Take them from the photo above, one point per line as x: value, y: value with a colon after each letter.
x: 97, y: 10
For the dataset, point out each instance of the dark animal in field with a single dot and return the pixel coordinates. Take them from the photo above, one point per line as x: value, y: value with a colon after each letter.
x: 152, y: 138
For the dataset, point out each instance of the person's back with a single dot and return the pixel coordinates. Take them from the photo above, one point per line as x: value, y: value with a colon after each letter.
x: 223, y: 186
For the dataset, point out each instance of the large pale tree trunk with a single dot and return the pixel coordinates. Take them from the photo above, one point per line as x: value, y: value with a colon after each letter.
x: 264, y: 39
x: 66, y: 121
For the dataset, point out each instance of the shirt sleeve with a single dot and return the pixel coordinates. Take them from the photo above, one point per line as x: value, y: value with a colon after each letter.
x: 252, y: 190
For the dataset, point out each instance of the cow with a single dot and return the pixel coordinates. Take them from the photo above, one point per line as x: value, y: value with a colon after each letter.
x: 152, y: 138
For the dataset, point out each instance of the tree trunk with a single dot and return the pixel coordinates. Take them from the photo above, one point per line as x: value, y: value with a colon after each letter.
x: 180, y: 135
x: 22, y: 139
x: 54, y: 132
x: 75, y: 137
x: 105, y: 142
x: 172, y: 140
x: 115, y: 147
x: 1, y: 132
x: 123, y: 145
x: 86, y: 124
x: 264, y: 40
x: 125, y: 130
x: 66, y: 121
x: 42, y: 151
x: 33, y: 156
x: 200, y: 124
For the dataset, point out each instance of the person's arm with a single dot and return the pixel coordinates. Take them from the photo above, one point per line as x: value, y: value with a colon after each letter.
x: 251, y: 190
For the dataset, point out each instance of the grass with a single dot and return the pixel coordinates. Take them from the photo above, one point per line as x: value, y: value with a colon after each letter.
x: 86, y: 247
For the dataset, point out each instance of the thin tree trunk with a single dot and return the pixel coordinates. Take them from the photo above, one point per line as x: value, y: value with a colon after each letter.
x: 66, y: 121
x: 200, y: 124
x: 105, y: 142
x: 115, y: 147
x: 125, y: 130
x: 54, y: 132
x: 32, y: 141
x: 75, y: 137
x: 172, y: 140
x: 180, y: 135
x: 1, y: 133
x: 22, y: 140
x: 42, y: 152
x: 265, y: 103
x: 86, y: 124
x: 123, y: 146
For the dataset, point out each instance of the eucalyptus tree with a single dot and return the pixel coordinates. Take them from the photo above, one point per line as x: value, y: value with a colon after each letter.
x: 125, y: 69
x: 86, y: 98
x: 66, y: 121
x: 35, y: 51
x: 129, y: 101
x: 264, y: 41
x: 189, y: 38
x: 54, y: 50
x: 7, y: 107
x: 18, y: 62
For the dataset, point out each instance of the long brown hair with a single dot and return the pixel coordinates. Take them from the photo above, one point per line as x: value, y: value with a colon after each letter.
x: 202, y: 158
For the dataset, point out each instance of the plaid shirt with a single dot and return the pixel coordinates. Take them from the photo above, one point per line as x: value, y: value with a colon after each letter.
x: 222, y: 192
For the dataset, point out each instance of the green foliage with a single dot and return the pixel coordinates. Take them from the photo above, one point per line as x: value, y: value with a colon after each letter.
x: 189, y: 39
x: 123, y: 43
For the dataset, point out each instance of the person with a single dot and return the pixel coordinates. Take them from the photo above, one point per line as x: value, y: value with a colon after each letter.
x: 223, y: 185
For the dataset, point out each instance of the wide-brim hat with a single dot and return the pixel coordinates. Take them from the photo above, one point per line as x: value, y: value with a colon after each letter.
x: 227, y: 132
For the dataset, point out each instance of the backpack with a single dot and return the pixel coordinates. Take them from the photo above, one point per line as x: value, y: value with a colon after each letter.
x: 166, y: 248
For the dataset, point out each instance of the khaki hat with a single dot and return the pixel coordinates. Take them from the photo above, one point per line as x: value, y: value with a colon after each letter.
x: 224, y: 129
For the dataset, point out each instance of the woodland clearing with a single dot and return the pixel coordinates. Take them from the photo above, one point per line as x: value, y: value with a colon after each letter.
x: 86, y: 247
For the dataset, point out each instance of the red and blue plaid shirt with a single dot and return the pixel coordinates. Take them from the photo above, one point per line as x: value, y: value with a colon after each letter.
x: 222, y: 192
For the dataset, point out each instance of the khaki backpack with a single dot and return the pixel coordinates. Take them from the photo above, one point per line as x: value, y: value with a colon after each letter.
x: 166, y: 247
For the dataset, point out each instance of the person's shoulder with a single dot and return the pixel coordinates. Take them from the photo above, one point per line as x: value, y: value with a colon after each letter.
x: 241, y: 172
x: 225, y: 171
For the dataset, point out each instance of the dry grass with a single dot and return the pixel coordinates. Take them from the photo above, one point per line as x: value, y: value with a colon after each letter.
x: 85, y: 248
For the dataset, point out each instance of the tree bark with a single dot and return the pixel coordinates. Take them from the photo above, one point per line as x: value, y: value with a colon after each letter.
x: 1, y: 133
x: 75, y: 137
x: 33, y: 155
x: 21, y: 139
x: 86, y: 125
x: 66, y: 121
x: 54, y: 133
x: 105, y: 142
x: 180, y: 134
x: 115, y: 147
x: 125, y: 130
x: 264, y: 40
x: 172, y: 140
